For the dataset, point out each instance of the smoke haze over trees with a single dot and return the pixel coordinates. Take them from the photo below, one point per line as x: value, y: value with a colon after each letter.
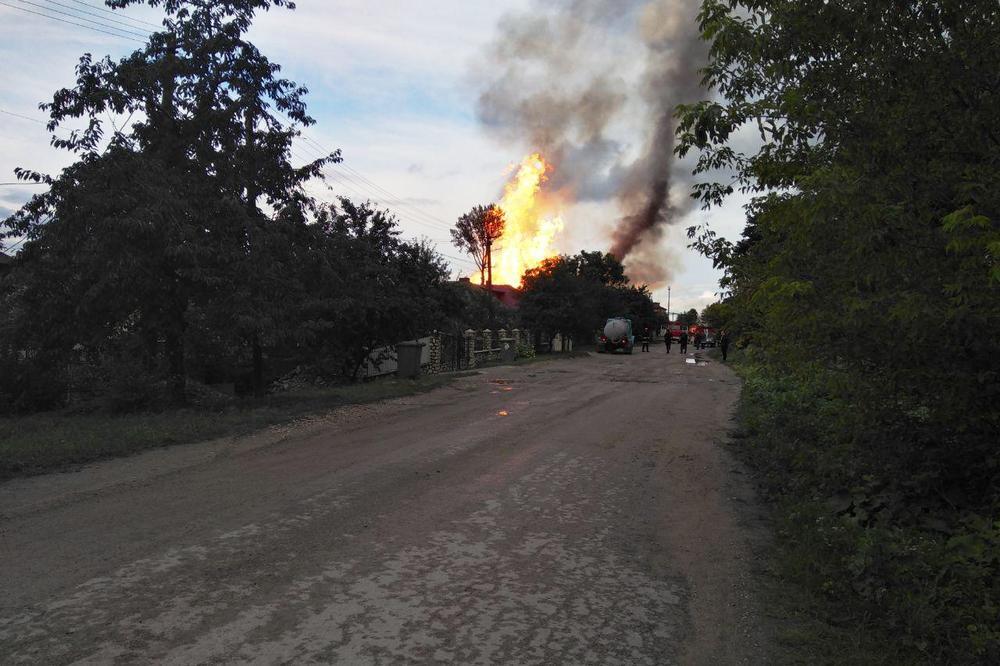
x: 553, y: 83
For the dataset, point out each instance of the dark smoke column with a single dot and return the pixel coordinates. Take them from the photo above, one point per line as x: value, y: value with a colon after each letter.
x: 675, y: 55
x: 550, y: 85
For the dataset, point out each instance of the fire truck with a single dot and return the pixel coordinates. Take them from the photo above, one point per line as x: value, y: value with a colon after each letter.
x: 710, y: 334
x: 675, y: 328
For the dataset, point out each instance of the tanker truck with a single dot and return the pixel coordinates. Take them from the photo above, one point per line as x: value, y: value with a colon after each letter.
x: 617, y: 334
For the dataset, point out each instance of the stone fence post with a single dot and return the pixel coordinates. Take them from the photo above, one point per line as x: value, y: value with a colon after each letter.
x: 470, y: 348
x: 434, y: 366
x: 487, y: 344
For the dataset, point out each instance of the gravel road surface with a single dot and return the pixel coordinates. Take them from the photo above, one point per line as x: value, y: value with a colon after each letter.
x: 564, y: 512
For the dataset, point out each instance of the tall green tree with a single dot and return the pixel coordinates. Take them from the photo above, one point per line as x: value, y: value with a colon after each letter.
x: 867, y: 274
x: 876, y: 210
x: 716, y: 315
x: 364, y: 289
x: 689, y: 318
x: 573, y: 295
x: 208, y: 148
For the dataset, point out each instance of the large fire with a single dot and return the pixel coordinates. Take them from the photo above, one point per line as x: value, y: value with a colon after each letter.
x: 531, y: 223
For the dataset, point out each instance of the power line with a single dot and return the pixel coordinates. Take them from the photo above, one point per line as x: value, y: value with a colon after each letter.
x: 435, y: 241
x: 81, y: 18
x: 391, y: 194
x: 18, y: 115
x: 352, y: 175
x: 356, y: 176
x: 79, y: 25
x: 15, y: 245
x: 86, y: 13
x: 340, y: 178
x: 396, y: 200
x: 109, y: 11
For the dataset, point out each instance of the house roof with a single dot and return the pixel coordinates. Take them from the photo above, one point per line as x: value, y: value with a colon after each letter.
x: 505, y: 288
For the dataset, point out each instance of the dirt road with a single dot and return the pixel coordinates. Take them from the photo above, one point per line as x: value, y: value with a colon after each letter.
x: 566, y: 512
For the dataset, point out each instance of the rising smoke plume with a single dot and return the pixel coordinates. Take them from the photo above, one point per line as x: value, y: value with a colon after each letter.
x: 568, y: 76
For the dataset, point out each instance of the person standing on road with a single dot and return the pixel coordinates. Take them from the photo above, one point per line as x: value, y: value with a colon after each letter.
x: 684, y: 342
x: 667, y: 340
x: 645, y: 340
x: 724, y: 344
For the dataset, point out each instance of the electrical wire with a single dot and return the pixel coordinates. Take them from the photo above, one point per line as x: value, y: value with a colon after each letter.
x: 353, y: 184
x: 18, y: 115
x: 15, y: 245
x: 114, y: 13
x: 354, y: 175
x: 86, y: 13
x: 361, y: 193
x: 79, y: 25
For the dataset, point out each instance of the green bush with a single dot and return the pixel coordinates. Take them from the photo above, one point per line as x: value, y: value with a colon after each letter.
x: 30, y: 386
x: 919, y: 571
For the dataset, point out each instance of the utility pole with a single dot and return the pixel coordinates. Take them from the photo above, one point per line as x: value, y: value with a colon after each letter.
x: 668, y: 304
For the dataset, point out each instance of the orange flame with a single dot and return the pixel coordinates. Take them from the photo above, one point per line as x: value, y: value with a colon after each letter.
x: 530, y: 228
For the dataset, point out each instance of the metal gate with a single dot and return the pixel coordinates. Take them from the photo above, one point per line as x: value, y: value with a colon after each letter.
x: 453, y: 353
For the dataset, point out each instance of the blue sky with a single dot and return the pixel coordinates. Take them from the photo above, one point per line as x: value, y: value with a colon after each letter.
x: 391, y: 84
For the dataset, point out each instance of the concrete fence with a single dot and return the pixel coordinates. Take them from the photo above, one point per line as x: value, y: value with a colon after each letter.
x: 473, y: 348
x: 444, y: 352
x: 383, y: 361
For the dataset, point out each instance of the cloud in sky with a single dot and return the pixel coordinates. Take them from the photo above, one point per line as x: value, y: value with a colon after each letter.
x: 389, y: 84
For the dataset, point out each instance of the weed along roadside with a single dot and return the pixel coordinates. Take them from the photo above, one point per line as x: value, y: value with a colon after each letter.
x: 54, y: 441
x: 849, y: 563
x: 40, y: 443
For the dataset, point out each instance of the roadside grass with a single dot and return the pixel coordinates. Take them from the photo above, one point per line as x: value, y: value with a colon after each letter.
x: 54, y: 441
x: 809, y: 628
x: 555, y: 356
x: 803, y: 624
x: 538, y: 358
x: 813, y: 615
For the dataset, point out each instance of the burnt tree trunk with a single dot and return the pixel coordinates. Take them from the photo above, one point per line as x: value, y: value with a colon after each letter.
x: 176, y: 362
x: 489, y: 265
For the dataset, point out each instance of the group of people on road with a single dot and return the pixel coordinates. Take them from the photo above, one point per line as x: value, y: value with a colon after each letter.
x: 668, y: 340
x: 683, y: 340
